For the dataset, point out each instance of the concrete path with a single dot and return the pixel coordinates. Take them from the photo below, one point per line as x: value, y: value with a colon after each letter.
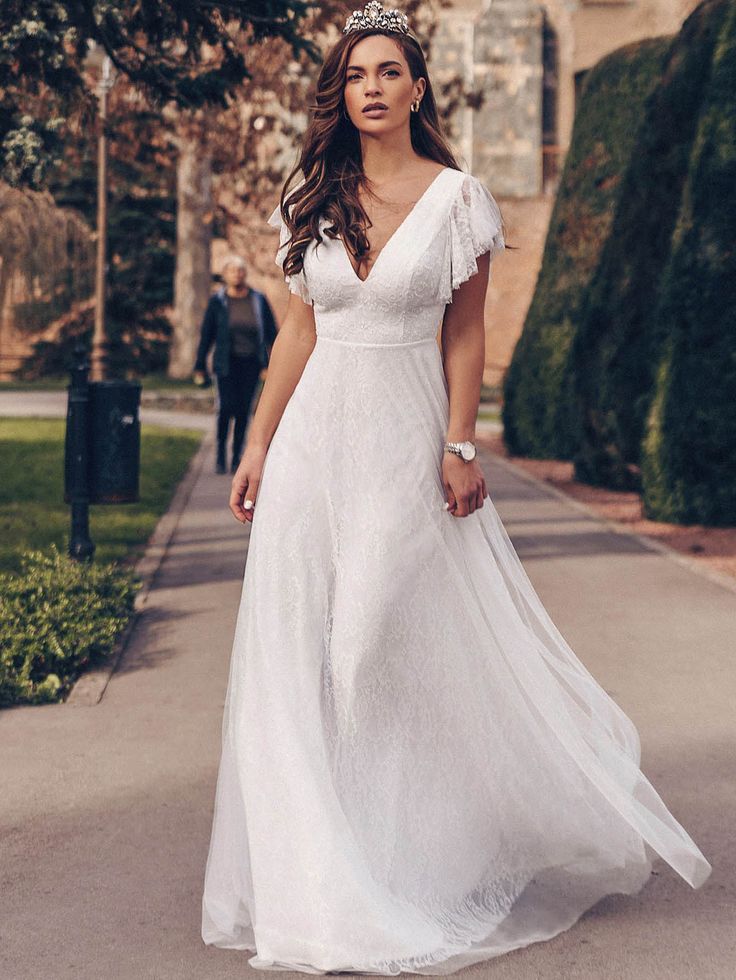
x: 52, y: 404
x: 105, y: 811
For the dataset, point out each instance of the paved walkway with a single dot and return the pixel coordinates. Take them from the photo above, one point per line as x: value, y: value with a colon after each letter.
x: 105, y: 811
x: 52, y: 404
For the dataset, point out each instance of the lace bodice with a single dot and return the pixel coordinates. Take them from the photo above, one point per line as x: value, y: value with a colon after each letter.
x: 430, y: 254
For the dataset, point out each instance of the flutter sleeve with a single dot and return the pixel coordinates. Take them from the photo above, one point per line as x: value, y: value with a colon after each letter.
x: 296, y: 283
x: 475, y: 228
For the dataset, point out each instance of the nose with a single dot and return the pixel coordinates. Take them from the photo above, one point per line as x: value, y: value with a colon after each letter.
x: 372, y: 87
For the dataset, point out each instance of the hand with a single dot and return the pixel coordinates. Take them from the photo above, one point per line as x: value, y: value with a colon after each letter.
x: 465, y: 485
x: 245, y: 482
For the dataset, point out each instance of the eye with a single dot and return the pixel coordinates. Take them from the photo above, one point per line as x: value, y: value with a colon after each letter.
x: 392, y: 71
x: 354, y: 75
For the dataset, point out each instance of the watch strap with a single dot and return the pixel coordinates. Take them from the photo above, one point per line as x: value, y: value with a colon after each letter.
x: 457, y: 448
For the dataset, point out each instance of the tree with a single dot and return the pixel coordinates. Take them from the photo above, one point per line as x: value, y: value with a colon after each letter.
x: 174, y: 57
x: 194, y: 216
x: 689, y: 447
x: 46, y: 268
x: 141, y: 234
x: 231, y: 153
x: 180, y: 51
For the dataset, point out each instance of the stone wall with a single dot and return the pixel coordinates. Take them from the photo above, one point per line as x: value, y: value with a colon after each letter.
x: 507, y: 132
x: 496, y: 48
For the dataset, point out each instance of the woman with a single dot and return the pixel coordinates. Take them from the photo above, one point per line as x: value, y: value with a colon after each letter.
x: 240, y: 323
x: 417, y: 772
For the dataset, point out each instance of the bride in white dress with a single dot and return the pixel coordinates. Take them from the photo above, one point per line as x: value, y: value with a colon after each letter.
x: 417, y: 772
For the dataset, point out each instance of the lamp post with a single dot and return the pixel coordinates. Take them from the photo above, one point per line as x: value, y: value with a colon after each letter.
x: 102, y: 450
x: 76, y: 458
x: 99, y: 60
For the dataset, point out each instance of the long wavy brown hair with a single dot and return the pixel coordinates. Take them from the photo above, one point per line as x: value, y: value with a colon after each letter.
x: 331, y: 161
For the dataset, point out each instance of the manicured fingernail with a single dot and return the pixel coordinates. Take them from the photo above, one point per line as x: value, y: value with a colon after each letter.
x: 446, y: 505
x: 248, y: 504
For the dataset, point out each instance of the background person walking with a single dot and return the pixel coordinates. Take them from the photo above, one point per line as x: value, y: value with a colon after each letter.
x: 240, y: 323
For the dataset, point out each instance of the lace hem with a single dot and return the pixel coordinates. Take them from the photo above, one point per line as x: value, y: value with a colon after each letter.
x: 475, y: 228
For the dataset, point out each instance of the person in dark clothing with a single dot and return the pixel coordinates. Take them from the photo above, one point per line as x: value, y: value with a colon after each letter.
x: 240, y: 323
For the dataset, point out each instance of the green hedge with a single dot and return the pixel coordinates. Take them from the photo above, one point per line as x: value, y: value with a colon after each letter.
x: 689, y: 457
x: 618, y: 341
x: 537, y: 414
x: 58, y: 617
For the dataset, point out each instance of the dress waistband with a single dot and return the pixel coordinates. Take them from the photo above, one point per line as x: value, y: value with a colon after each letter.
x: 361, y: 343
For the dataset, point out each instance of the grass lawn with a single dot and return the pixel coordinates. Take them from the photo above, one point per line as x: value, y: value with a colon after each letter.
x: 45, y: 384
x: 32, y: 509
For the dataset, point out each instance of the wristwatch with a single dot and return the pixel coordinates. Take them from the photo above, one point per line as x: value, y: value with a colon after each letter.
x: 465, y: 450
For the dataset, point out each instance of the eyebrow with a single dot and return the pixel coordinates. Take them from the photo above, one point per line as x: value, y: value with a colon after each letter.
x: 382, y: 65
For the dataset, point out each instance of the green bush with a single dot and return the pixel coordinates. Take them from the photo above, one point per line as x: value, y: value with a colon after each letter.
x: 618, y: 342
x: 57, y: 617
x: 537, y: 414
x: 689, y: 450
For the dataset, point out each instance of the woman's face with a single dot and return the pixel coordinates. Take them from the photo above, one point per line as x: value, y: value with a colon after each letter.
x: 234, y: 274
x: 377, y: 72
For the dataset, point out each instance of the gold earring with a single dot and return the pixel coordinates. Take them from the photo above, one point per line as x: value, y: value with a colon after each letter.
x: 415, y: 105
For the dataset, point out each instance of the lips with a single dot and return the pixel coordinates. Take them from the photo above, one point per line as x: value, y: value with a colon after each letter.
x: 375, y: 105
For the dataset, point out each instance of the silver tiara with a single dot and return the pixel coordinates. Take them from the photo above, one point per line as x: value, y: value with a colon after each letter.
x: 373, y: 15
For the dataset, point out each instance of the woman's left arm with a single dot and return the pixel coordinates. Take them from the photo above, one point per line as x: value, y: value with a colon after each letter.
x: 463, y: 354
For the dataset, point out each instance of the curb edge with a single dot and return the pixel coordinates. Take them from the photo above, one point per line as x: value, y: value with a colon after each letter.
x: 90, y: 686
x: 651, y: 544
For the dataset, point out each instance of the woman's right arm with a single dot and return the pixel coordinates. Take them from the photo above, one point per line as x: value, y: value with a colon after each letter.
x: 290, y: 352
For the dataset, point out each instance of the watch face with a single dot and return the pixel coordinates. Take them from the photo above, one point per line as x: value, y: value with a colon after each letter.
x: 468, y: 451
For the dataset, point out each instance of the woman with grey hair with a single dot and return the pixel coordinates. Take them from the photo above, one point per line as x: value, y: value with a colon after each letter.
x: 240, y: 323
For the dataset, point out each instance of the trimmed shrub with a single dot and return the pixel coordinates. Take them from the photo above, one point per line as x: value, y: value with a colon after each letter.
x: 689, y: 450
x: 537, y: 414
x: 58, y: 617
x: 618, y: 343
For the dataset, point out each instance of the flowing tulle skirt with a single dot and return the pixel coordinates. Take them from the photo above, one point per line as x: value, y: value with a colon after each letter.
x: 417, y: 772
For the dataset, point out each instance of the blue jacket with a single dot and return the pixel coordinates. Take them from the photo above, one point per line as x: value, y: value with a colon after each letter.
x: 216, y: 329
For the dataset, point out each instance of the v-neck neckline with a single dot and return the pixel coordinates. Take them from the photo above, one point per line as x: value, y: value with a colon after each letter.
x: 394, y: 234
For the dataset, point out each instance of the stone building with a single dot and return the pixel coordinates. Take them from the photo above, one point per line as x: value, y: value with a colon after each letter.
x: 526, y: 61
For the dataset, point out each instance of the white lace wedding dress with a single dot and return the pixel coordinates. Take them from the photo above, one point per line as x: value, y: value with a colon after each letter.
x: 417, y: 772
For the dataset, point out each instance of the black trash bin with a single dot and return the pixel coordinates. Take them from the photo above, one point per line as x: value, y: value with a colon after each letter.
x: 115, y: 442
